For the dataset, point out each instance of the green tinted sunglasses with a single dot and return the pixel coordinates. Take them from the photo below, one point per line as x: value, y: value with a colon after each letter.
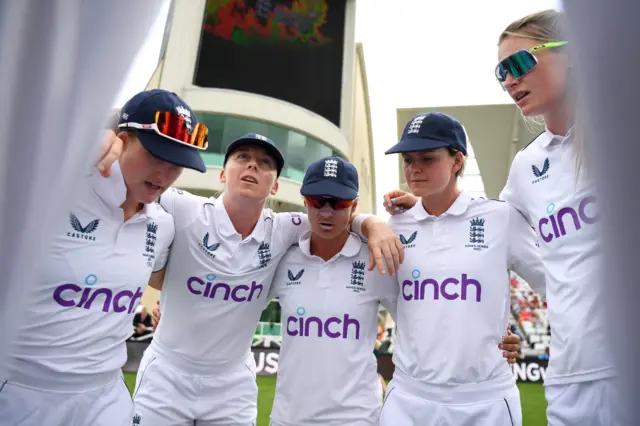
x: 522, y: 62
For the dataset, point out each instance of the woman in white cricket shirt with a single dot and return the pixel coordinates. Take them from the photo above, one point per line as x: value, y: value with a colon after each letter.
x: 549, y: 186
x: 327, y: 372
x: 199, y: 367
x: 66, y: 366
x: 454, y: 289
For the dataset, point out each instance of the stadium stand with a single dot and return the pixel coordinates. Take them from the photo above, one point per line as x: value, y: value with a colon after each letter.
x: 529, y: 314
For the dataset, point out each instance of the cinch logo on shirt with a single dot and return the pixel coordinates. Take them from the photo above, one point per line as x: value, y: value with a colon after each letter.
x: 408, y: 242
x: 209, y: 249
x: 553, y: 226
x: 417, y: 290
x: 332, y: 327
x: 222, y: 290
x: 123, y: 301
x: 540, y: 174
x: 82, y: 232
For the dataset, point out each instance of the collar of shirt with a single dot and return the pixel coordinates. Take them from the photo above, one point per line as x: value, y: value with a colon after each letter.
x: 458, y: 208
x: 113, y: 191
x: 351, y: 247
x: 548, y: 138
x: 225, y: 227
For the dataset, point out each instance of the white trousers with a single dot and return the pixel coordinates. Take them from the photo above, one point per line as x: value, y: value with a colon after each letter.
x: 593, y: 403
x: 168, y: 396
x: 109, y: 405
x: 401, y: 408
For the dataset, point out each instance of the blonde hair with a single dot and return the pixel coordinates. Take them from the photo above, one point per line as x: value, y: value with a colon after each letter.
x: 547, y: 26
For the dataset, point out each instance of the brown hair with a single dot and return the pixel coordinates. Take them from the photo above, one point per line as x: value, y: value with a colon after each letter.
x: 452, y: 152
x: 547, y: 26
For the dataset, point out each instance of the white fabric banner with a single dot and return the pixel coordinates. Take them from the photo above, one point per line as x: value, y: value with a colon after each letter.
x: 62, y: 63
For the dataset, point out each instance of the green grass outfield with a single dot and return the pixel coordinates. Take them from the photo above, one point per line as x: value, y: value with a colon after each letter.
x: 532, y: 394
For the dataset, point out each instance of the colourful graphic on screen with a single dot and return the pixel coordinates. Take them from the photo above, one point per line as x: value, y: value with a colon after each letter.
x: 291, y: 50
x: 273, y: 21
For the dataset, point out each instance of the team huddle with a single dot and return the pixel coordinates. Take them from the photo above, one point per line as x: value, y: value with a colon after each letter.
x: 219, y: 261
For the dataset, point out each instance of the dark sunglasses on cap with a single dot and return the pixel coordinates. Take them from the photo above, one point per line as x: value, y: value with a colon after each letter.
x: 318, y: 202
x: 522, y: 62
x: 174, y: 126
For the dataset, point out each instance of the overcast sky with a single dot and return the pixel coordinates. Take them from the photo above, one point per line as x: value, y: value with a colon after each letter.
x: 418, y: 53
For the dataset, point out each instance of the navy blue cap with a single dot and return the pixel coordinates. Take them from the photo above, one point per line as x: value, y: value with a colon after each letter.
x: 430, y: 131
x: 256, y: 139
x: 331, y: 177
x: 142, y: 108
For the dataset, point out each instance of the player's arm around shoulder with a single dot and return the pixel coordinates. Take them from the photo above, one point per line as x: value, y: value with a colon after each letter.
x: 404, y: 226
x: 288, y: 227
x: 183, y: 206
x: 385, y: 250
x: 401, y: 219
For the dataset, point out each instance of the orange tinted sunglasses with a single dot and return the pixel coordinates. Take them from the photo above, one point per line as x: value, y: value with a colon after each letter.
x: 318, y: 202
x: 174, y: 126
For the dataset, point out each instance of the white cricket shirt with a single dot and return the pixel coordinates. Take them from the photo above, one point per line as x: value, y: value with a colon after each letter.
x: 89, y: 283
x: 563, y: 209
x: 453, y: 305
x: 327, y: 372
x: 216, y: 284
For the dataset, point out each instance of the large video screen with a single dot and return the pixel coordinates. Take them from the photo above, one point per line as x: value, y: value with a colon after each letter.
x: 286, y: 49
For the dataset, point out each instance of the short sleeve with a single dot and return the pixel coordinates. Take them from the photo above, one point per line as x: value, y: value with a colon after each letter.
x: 357, y: 222
x: 512, y: 193
x: 290, y: 226
x: 182, y: 205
